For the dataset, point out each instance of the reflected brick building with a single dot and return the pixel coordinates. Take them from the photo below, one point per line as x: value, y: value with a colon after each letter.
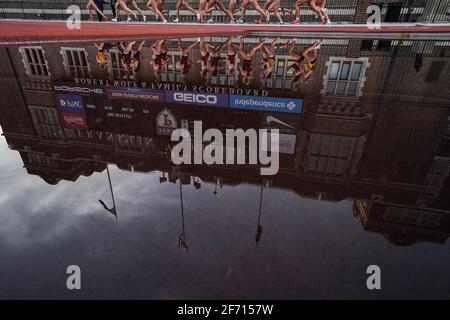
x: 374, y: 126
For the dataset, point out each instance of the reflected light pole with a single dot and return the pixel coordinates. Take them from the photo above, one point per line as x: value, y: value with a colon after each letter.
x: 259, y: 227
x: 182, y: 237
x: 113, y: 209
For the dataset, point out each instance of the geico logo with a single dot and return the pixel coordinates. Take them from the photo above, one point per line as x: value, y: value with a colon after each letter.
x: 195, y: 98
x: 78, y: 89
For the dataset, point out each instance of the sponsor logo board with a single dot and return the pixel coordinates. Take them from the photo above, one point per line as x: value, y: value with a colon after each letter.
x: 70, y: 103
x: 286, y: 143
x: 196, y: 98
x: 166, y: 122
x: 135, y: 94
x: 74, y: 120
x: 266, y: 104
x: 77, y: 89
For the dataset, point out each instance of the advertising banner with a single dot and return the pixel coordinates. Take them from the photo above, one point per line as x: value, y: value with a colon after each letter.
x: 286, y: 143
x: 166, y: 122
x: 74, y: 120
x: 134, y: 94
x: 197, y: 98
x: 70, y: 103
x: 266, y: 104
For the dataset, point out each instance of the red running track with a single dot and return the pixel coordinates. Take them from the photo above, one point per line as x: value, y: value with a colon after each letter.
x: 17, y: 32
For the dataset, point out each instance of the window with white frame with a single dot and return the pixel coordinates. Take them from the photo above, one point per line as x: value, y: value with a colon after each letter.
x: 172, y: 72
x: 281, y: 77
x: 76, y: 62
x: 224, y: 78
x: 329, y: 155
x: 34, y: 61
x: 115, y: 67
x: 344, y: 77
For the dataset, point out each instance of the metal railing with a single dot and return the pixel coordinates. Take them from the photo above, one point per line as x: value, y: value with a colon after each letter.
x: 340, y: 10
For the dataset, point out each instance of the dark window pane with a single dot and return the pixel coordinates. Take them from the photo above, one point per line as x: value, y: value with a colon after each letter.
x: 356, y: 71
x: 334, y: 70
x: 345, y: 70
x: 331, y: 86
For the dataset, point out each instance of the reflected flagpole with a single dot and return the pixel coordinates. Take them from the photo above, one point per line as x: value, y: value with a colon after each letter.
x: 113, y: 209
x: 259, y: 227
x: 182, y: 239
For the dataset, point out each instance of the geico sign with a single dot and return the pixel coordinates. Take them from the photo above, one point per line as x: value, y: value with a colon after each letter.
x: 79, y: 89
x: 195, y: 98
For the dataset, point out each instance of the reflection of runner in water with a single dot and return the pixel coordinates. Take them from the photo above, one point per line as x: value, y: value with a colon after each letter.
x: 204, y: 57
x: 157, y: 7
x: 102, y: 55
x: 159, y: 56
x: 124, y: 5
x: 304, y: 63
x: 214, y: 60
x: 185, y: 63
x: 246, y: 68
x: 131, y: 57
x: 272, y: 6
x: 245, y: 4
x: 181, y: 243
x: 268, y: 54
x: 318, y: 6
x: 92, y: 6
x: 184, y: 3
x: 208, y: 6
x: 231, y: 56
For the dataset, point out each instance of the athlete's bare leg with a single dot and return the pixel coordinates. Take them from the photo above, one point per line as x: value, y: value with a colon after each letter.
x: 317, y: 9
x: 123, y: 5
x: 153, y: 6
x: 292, y: 52
x: 222, y: 8
x: 297, y: 6
x: 259, y: 9
x: 92, y: 6
x: 266, y: 8
x: 138, y: 9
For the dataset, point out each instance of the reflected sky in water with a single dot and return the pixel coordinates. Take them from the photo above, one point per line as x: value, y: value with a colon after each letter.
x: 314, y: 243
x: 309, y: 248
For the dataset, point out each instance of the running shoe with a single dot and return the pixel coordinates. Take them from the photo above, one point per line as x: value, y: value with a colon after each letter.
x: 114, y: 19
x: 296, y: 21
x: 164, y: 21
x: 129, y: 19
x: 317, y: 43
x: 198, y: 17
x: 239, y: 21
x: 91, y: 19
x: 210, y: 20
x: 144, y: 18
x: 257, y: 22
x: 176, y: 20
x: 326, y: 20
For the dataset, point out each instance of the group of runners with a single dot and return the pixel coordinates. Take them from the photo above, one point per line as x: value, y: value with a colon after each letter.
x: 206, y: 9
x: 215, y: 59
